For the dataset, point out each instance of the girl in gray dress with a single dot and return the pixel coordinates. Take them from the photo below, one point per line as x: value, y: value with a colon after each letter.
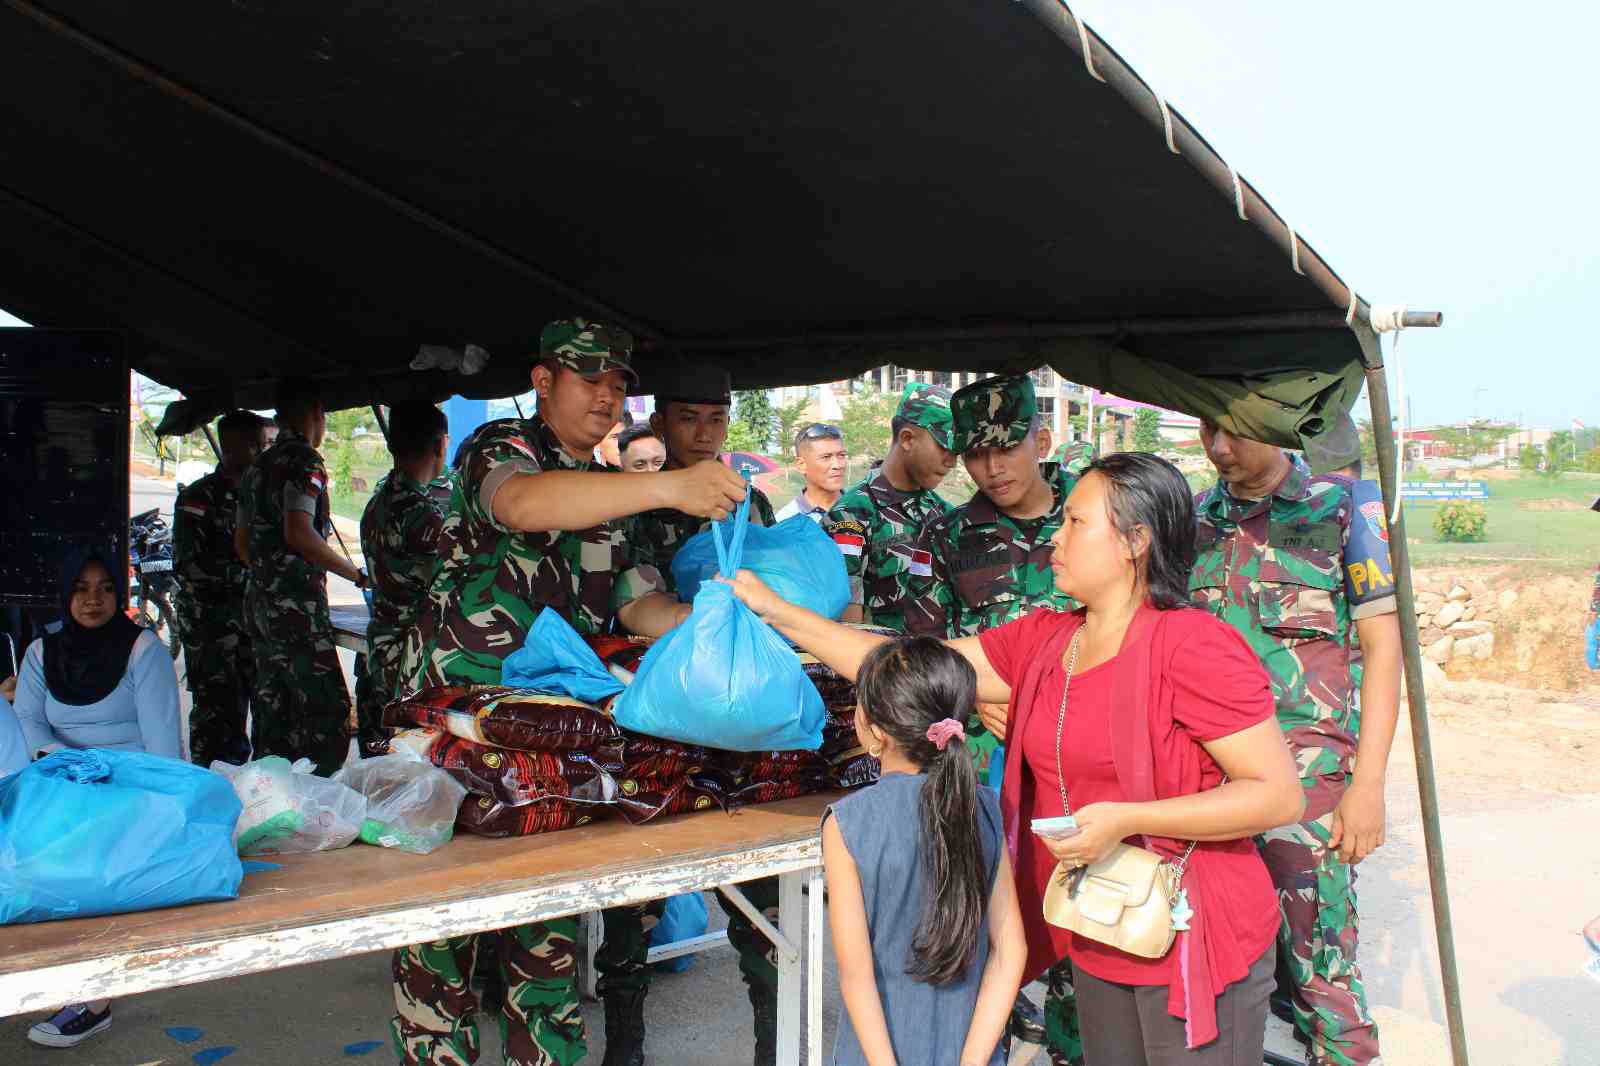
x: 921, y: 903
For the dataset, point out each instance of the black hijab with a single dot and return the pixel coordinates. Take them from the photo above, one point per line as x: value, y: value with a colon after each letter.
x: 83, y: 666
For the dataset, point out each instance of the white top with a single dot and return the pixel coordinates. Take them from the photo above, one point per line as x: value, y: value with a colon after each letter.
x: 140, y: 714
x: 801, y: 505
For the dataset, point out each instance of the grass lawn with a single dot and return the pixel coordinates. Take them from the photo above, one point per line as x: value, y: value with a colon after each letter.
x: 1531, y: 518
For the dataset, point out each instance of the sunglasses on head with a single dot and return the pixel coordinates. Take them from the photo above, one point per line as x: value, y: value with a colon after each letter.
x: 820, y: 431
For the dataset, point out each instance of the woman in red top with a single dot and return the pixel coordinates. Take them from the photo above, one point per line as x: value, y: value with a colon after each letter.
x: 1165, y: 736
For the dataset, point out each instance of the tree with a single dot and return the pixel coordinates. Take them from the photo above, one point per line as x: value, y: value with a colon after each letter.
x: 1558, y: 453
x: 1474, y: 438
x: 864, y: 420
x: 1147, y: 430
x: 750, y: 430
x: 789, y: 417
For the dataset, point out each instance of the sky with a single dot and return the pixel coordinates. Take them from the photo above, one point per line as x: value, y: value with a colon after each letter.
x: 1440, y: 155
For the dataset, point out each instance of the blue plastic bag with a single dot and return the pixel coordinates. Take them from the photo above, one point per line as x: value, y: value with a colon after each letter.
x: 1591, y: 641
x: 556, y: 660
x: 796, y: 558
x: 94, y: 831
x: 685, y: 916
x: 724, y: 678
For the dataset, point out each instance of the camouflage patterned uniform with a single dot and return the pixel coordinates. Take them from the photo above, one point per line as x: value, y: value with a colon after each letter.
x: 876, y: 525
x: 300, y: 706
x: 218, y: 660
x: 987, y: 569
x: 1074, y: 457
x: 1293, y: 573
x: 399, y: 539
x: 490, y: 585
x: 654, y: 537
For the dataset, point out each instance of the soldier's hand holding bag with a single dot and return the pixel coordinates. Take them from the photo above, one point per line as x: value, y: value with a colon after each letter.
x: 724, y: 678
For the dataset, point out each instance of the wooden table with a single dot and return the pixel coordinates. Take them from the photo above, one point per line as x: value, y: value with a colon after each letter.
x: 362, y: 899
x: 350, y: 626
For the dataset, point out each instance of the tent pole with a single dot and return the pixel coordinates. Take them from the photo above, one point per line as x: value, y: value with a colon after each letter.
x: 1416, y: 695
x: 211, y: 439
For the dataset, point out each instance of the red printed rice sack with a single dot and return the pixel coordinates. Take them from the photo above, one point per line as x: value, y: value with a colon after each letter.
x: 487, y: 817
x: 505, y: 717
x: 511, y: 777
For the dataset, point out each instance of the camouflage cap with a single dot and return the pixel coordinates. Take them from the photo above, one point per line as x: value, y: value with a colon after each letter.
x: 927, y: 406
x: 993, y: 413
x: 1334, y: 448
x: 588, y: 347
x: 1075, y: 457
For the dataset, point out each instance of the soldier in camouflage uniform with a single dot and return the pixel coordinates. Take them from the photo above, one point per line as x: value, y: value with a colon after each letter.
x: 876, y: 523
x: 692, y: 406
x: 300, y: 707
x: 218, y: 660
x: 1297, y: 566
x: 533, y: 523
x: 1074, y: 457
x: 990, y: 564
x: 399, y: 540
x: 691, y: 420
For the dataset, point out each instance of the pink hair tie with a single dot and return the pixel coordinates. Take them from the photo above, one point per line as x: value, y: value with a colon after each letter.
x: 943, y: 732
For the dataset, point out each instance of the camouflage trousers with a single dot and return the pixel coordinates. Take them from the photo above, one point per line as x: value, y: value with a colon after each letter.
x: 435, y: 1022
x: 1318, y: 937
x: 758, y: 957
x: 1064, y: 1042
x: 220, y: 669
x: 300, y: 706
x: 376, y: 675
x: 621, y: 962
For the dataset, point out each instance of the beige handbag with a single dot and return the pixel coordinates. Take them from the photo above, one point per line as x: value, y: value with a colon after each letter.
x: 1132, y: 899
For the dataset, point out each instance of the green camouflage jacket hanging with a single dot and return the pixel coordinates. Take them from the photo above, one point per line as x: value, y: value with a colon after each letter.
x: 1293, y: 573
x: 988, y: 568
x: 876, y: 526
x: 492, y: 582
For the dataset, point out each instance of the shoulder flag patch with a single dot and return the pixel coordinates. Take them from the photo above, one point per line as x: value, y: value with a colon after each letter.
x: 920, y: 562
x: 850, y: 543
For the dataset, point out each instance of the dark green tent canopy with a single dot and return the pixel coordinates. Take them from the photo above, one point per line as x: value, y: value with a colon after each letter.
x: 803, y: 191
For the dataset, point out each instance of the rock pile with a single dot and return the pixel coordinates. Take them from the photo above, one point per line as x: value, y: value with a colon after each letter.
x: 1457, y: 615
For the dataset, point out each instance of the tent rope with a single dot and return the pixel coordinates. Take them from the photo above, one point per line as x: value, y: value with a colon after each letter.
x: 1294, y: 251
x: 1166, y: 122
x: 1083, y: 42
x: 1238, y: 193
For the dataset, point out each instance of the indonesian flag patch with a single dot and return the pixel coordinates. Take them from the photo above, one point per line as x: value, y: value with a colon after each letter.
x: 920, y: 562
x: 319, y: 480
x: 850, y: 543
x: 194, y: 507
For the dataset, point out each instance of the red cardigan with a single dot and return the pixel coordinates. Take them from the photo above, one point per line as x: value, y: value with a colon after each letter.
x: 1154, y: 760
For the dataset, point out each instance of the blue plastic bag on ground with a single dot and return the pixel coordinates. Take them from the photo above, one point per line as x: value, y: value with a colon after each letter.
x: 685, y: 916
x: 556, y: 660
x: 724, y: 678
x: 94, y: 831
x: 1591, y: 645
x: 796, y: 558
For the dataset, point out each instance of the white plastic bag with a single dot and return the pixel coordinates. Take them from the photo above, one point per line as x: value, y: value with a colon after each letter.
x: 411, y: 804
x: 288, y: 809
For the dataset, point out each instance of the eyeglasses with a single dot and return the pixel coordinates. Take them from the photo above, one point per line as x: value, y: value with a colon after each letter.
x: 820, y: 431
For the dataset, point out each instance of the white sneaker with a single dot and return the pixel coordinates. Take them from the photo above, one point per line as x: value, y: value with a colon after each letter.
x: 70, y: 1026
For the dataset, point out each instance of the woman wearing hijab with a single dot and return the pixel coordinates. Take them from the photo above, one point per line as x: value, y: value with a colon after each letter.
x: 96, y: 681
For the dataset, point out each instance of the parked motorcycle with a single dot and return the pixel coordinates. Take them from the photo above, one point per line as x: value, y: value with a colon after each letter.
x: 150, y: 577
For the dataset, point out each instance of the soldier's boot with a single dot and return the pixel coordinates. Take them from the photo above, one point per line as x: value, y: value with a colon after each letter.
x: 764, y: 1004
x: 624, y: 1027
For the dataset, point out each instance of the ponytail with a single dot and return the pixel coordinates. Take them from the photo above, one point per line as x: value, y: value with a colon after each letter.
x: 906, y: 686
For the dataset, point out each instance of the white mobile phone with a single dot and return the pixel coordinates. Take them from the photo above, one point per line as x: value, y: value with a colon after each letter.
x: 1055, y: 828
